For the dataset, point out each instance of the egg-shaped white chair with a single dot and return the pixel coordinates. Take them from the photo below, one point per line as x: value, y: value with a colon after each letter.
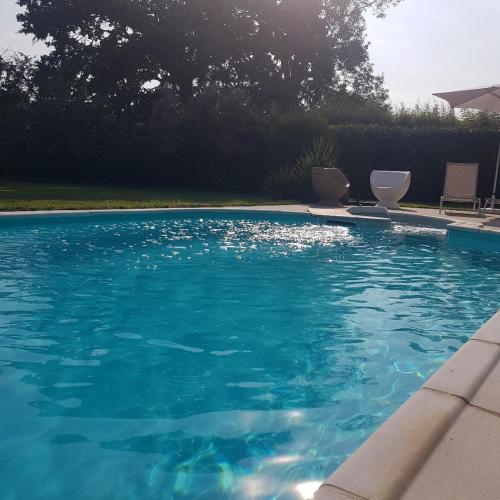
x: 330, y: 184
x: 389, y: 187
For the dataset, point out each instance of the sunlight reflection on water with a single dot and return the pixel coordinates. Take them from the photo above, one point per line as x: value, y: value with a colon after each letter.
x: 217, y: 356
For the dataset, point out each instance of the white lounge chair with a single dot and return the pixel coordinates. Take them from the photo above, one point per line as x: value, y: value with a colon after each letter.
x: 330, y: 184
x: 460, y: 184
x: 389, y: 187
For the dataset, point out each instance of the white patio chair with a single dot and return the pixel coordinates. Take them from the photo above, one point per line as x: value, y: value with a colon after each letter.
x: 389, y: 186
x: 330, y: 184
x: 460, y: 184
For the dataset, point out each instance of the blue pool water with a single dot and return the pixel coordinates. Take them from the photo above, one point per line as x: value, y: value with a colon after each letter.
x: 213, y: 356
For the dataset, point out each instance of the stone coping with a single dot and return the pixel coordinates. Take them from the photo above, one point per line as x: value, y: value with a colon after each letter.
x: 443, y: 443
x: 266, y: 208
x: 424, y: 216
x: 452, y: 220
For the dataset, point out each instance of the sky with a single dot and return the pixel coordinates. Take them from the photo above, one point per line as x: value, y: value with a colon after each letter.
x: 427, y: 46
x: 421, y: 46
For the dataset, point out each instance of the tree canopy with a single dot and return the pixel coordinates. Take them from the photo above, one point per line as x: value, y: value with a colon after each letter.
x: 212, y: 94
x: 288, y: 52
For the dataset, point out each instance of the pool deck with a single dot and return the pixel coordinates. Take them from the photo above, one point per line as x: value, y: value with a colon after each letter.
x: 457, y: 220
x: 444, y: 442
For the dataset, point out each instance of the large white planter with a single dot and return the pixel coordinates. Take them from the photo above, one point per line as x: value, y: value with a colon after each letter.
x: 330, y: 184
x: 389, y: 187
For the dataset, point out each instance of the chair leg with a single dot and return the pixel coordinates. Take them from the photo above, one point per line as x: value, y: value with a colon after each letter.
x: 441, y: 205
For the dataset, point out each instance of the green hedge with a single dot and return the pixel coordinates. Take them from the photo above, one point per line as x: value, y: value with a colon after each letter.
x: 423, y: 151
x: 219, y: 143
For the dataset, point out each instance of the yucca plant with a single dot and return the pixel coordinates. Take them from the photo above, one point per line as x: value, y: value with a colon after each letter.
x: 323, y: 153
x: 295, y: 182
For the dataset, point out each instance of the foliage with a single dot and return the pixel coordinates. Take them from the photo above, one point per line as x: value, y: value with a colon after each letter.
x: 16, y: 76
x: 215, y: 94
x: 437, y: 115
x: 323, y: 153
x: 120, y: 52
x: 205, y: 93
x: 423, y: 150
x: 441, y: 115
x: 16, y: 79
x: 218, y: 140
x: 294, y: 182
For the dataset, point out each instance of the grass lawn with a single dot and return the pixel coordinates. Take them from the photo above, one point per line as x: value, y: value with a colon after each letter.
x: 16, y: 196
x: 46, y: 196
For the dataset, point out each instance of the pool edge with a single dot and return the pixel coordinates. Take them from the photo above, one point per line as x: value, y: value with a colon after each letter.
x: 458, y: 222
x: 422, y: 451
x: 292, y: 209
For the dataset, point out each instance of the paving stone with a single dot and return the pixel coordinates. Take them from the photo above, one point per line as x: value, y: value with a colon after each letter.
x: 465, y: 465
x: 464, y: 373
x: 490, y: 331
x: 391, y: 457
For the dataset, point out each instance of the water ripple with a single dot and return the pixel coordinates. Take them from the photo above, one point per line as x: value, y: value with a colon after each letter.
x: 214, y: 355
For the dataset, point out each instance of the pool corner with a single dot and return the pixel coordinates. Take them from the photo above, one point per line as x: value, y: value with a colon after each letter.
x: 443, y: 443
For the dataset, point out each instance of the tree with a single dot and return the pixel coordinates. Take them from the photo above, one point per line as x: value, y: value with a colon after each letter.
x: 16, y: 94
x: 289, y: 52
x: 16, y: 79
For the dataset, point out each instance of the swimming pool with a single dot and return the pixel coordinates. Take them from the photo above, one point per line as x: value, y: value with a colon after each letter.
x: 216, y: 355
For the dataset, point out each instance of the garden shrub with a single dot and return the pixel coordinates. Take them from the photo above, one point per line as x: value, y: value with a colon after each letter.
x: 219, y: 141
x: 294, y: 182
x: 423, y: 151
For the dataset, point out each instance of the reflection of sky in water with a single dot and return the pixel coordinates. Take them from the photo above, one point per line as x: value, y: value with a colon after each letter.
x: 418, y: 230
x: 215, y: 357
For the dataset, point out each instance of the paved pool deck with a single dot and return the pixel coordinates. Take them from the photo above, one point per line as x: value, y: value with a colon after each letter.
x: 458, y: 219
x: 444, y: 442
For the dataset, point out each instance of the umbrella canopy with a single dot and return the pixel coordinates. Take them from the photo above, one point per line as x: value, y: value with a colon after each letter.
x: 482, y: 99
